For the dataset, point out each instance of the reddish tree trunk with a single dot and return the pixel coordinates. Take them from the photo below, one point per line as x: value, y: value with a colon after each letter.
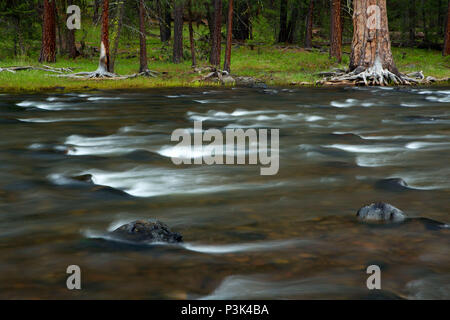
x: 104, y: 54
x: 227, y: 64
x: 191, y: 35
x: 143, y: 64
x: 446, y: 50
x: 178, y: 32
x: 309, y: 25
x: 217, y: 35
x: 48, y: 49
x: 371, y: 44
x: 336, y: 31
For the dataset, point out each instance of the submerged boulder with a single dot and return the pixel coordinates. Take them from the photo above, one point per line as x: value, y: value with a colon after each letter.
x: 146, y: 231
x: 392, y: 184
x: 380, y: 212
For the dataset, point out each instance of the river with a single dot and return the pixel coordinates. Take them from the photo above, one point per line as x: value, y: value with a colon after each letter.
x: 293, y: 235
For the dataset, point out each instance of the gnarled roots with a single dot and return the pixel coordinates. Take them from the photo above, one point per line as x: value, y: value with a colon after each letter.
x: 373, y: 76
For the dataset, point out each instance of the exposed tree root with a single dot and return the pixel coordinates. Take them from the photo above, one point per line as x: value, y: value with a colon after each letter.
x: 43, y: 68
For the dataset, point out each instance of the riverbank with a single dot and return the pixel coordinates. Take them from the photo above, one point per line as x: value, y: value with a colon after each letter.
x: 274, y: 65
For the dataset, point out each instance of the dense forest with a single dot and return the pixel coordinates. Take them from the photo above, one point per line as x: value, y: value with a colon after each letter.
x: 205, y: 31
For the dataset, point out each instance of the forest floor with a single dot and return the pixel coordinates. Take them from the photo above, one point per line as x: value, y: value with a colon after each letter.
x: 274, y: 65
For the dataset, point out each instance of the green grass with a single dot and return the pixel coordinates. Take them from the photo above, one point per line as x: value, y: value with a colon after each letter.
x: 272, y: 64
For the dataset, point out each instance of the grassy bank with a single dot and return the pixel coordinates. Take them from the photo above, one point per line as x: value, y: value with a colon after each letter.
x: 273, y: 64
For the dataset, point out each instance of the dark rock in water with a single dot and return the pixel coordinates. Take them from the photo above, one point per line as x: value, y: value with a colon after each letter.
x: 146, y: 232
x: 106, y: 192
x: 378, y: 212
x: 392, y: 184
x: 87, y: 178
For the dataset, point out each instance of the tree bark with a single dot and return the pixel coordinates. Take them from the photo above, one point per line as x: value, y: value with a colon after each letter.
x: 282, y: 36
x: 336, y: 31
x: 412, y: 21
x: 191, y: 35
x: 117, y: 30
x: 227, y: 64
x: 178, y: 32
x: 48, y: 49
x: 71, y: 47
x: 292, y: 24
x: 165, y: 20
x: 371, y: 45
x: 217, y: 35
x: 104, y: 61
x: 143, y: 63
x: 309, y: 25
x: 241, y: 23
x: 446, y: 50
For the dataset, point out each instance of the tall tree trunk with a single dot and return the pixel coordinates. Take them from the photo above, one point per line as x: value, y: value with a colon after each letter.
x: 446, y: 50
x: 104, y: 61
x: 178, y: 32
x: 336, y: 31
x: 241, y: 23
x: 292, y: 24
x: 71, y: 47
x: 227, y: 64
x: 117, y: 30
x: 191, y: 35
x: 165, y: 20
x: 96, y: 9
x: 48, y: 49
x: 143, y: 63
x: 309, y: 25
x: 282, y: 36
x: 217, y: 36
x: 412, y: 21
x: 371, y: 46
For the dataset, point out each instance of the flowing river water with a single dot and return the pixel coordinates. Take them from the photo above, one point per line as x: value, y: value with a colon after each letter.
x: 293, y: 235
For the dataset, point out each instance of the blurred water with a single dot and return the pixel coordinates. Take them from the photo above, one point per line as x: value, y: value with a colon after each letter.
x: 292, y: 235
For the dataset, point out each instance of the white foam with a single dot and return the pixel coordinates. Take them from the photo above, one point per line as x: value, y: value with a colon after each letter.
x: 45, y: 106
x: 421, y: 145
x: 363, y: 148
x: 51, y: 120
x: 348, y: 103
x: 153, y: 181
x: 243, y: 247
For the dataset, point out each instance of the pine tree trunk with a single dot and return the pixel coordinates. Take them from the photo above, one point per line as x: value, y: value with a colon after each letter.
x: 165, y: 20
x: 241, y: 23
x: 309, y: 25
x: 71, y: 47
x: 336, y: 31
x: 446, y: 50
x: 48, y: 50
x: 371, y: 48
x: 191, y: 35
x: 217, y: 35
x: 178, y: 32
x: 227, y: 64
x: 143, y: 63
x: 104, y: 62
x: 282, y: 36
x: 412, y: 21
x: 292, y: 24
x: 96, y: 9
x: 117, y: 30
